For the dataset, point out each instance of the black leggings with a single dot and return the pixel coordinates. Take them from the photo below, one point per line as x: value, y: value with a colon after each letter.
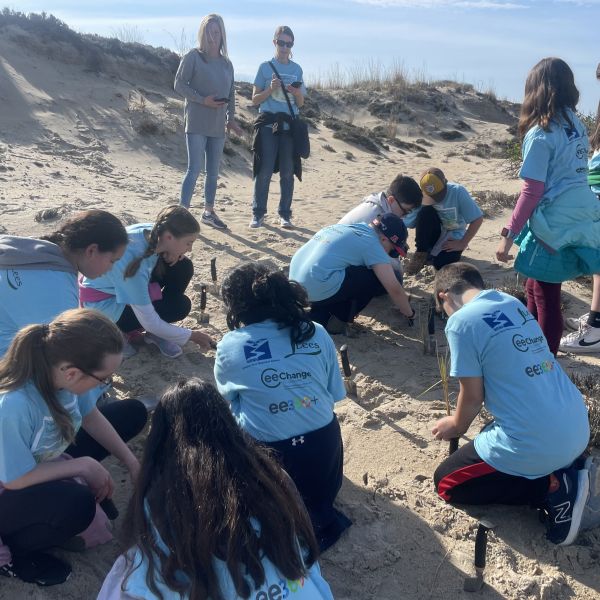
x: 174, y: 305
x: 315, y: 462
x: 428, y: 229
x: 359, y: 287
x: 47, y: 514
x: 464, y: 478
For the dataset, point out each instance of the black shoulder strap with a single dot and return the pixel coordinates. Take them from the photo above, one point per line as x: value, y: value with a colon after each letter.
x: 283, y: 89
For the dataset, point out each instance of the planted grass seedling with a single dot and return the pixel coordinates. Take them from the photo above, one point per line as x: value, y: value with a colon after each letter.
x: 444, y: 377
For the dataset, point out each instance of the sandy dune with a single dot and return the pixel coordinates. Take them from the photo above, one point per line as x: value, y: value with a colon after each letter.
x: 70, y: 139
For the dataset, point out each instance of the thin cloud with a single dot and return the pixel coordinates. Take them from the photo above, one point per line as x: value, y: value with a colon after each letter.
x: 481, y: 4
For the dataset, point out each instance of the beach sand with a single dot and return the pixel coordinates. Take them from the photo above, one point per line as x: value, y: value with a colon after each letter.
x: 71, y: 139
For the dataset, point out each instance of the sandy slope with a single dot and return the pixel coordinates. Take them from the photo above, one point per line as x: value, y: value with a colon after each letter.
x: 67, y: 141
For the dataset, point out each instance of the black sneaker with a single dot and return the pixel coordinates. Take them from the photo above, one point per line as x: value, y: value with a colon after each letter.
x: 38, y: 567
x: 564, y: 507
x: 210, y: 218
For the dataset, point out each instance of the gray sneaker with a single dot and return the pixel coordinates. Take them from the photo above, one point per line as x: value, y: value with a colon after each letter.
x: 591, y: 510
x: 256, y: 222
x: 210, y: 218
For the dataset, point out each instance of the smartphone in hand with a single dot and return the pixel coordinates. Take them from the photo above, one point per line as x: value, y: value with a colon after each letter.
x: 296, y: 84
x: 221, y: 99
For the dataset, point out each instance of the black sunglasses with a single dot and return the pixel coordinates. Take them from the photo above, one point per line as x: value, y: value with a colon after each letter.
x: 281, y: 43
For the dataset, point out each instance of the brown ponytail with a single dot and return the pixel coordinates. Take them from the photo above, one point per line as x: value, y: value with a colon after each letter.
x: 175, y: 219
x: 80, y: 337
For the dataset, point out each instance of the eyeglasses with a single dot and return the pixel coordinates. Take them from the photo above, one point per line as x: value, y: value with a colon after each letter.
x: 281, y: 44
x: 405, y: 210
x: 106, y: 381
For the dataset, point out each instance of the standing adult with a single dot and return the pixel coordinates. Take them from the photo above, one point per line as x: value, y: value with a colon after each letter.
x: 273, y: 145
x: 205, y: 80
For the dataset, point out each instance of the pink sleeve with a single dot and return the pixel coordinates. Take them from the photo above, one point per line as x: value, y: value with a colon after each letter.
x: 531, y: 194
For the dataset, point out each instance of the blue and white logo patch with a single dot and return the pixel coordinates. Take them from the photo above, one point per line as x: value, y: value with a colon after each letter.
x: 256, y: 351
x: 497, y: 320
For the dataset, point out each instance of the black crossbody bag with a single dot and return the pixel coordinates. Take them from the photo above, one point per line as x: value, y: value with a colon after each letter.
x: 298, y: 127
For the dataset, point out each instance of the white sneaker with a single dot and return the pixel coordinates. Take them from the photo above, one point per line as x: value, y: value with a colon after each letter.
x: 286, y: 223
x: 591, y: 510
x: 587, y: 339
x: 256, y: 222
x: 167, y: 348
x: 574, y: 322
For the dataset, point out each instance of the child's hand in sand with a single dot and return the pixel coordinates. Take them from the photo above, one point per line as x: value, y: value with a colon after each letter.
x: 97, y: 478
x: 204, y: 341
x: 445, y: 429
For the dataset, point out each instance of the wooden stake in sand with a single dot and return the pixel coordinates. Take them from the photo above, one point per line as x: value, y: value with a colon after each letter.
x: 204, y: 318
x: 443, y: 367
x: 213, y: 275
x: 428, y: 328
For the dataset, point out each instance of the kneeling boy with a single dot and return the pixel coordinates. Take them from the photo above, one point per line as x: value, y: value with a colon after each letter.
x: 530, y: 454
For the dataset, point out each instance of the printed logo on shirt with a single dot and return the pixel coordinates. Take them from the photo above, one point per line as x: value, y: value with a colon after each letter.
x: 280, y: 590
x: 497, y: 320
x: 307, y: 348
x: 525, y: 315
x: 292, y: 405
x: 571, y: 133
x: 542, y: 368
x: 257, y: 351
x: 581, y: 152
x: 13, y: 279
x: 273, y: 378
x: 522, y: 344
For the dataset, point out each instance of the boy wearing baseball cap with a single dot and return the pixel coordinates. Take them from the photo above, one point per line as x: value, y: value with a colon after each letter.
x: 447, y: 221
x: 342, y: 267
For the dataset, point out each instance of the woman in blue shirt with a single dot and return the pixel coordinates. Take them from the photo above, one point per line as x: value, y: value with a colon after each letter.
x: 212, y: 514
x: 273, y: 146
x: 48, y: 388
x: 279, y: 372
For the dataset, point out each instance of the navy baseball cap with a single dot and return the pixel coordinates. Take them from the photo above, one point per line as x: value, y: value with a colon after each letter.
x: 394, y: 229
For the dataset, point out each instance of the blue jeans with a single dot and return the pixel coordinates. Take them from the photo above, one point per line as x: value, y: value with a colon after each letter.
x: 204, y: 155
x: 272, y: 147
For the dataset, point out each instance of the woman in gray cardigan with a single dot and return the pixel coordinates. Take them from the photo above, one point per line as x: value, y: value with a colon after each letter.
x: 205, y: 80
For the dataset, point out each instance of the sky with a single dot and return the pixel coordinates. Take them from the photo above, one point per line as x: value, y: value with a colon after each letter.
x: 491, y: 44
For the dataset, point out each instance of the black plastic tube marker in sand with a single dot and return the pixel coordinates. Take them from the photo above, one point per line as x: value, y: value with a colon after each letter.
x: 213, y: 270
x: 204, y: 318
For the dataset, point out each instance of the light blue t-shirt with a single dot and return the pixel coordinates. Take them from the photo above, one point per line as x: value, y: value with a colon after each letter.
x: 289, y: 73
x: 321, y: 263
x: 557, y: 157
x: 130, y: 290
x: 28, y: 297
x: 28, y: 433
x: 541, y: 421
x: 456, y: 211
x: 276, y: 390
x: 310, y: 587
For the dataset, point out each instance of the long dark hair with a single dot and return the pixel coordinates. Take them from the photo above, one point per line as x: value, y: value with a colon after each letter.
x: 175, y: 219
x: 87, y: 228
x: 203, y: 479
x: 80, y: 337
x: 549, y: 91
x: 253, y: 293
